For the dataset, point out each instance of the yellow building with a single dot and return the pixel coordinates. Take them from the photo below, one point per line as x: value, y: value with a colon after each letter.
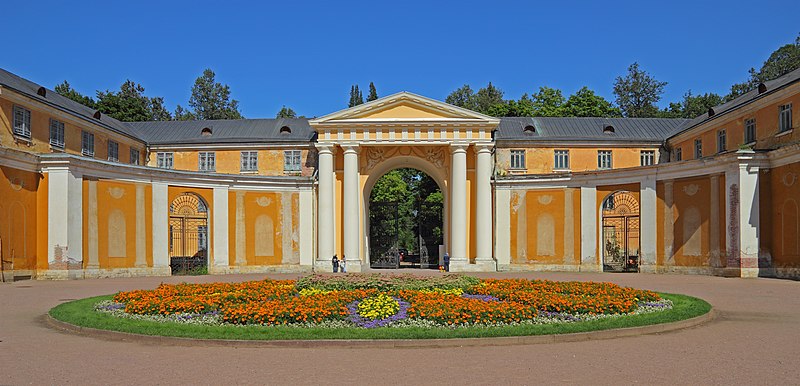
x: 84, y: 195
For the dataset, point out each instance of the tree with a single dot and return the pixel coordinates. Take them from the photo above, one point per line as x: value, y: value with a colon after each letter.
x: 548, y: 102
x: 488, y: 97
x: 637, y: 93
x: 356, y: 97
x: 286, y: 112
x: 692, y: 105
x: 64, y: 89
x: 181, y: 114
x: 373, y: 93
x: 211, y: 100
x: 462, y: 97
x: 585, y: 103
x: 783, y: 60
x: 130, y: 105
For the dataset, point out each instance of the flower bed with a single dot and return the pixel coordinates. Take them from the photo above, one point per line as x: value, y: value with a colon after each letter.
x: 370, y: 301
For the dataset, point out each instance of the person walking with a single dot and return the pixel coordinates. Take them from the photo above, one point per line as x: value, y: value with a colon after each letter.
x: 343, y: 264
x: 446, y: 262
x: 335, y: 262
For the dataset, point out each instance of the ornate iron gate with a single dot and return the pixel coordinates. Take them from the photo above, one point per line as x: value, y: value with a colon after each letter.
x: 384, y: 230
x: 429, y: 233
x: 620, y: 233
x: 188, y: 234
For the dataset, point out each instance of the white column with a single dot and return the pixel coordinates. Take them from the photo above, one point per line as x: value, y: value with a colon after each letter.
x: 220, y: 227
x: 325, y: 207
x: 589, y: 214
x: 350, y: 210
x: 483, y: 207
x: 160, y: 226
x: 647, y: 224
x: 741, y: 203
x: 458, y: 208
x: 502, y: 235
x: 64, y: 217
x: 306, y: 228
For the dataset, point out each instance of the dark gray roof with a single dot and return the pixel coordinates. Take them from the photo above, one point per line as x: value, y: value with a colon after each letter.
x: 225, y: 131
x: 582, y: 129
x: 769, y: 87
x: 54, y: 99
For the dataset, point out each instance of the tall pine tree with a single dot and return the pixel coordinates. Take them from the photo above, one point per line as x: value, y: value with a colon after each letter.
x: 373, y: 93
x: 356, y: 97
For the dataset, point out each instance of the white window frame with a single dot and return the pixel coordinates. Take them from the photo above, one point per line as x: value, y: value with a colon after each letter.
x: 605, y: 159
x: 647, y: 157
x: 207, y: 161
x: 87, y: 143
x: 518, y: 159
x: 749, y: 130
x: 679, y: 154
x: 22, y: 122
x: 134, y: 160
x: 56, y: 133
x: 292, y: 160
x: 698, y: 148
x: 722, y: 140
x: 785, y: 118
x: 165, y: 160
x: 113, y: 151
x: 561, y: 159
x: 248, y: 161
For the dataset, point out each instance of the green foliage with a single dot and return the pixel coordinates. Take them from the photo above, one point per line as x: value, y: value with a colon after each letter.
x: 487, y: 97
x: 130, y: 105
x: 637, y: 93
x: 385, y: 283
x: 181, y: 114
x: 286, y: 112
x: 210, y: 100
x: 585, y: 103
x: 462, y: 97
x: 356, y: 97
x: 783, y: 60
x: 67, y: 91
x: 692, y: 105
x: 373, y: 93
x: 548, y: 102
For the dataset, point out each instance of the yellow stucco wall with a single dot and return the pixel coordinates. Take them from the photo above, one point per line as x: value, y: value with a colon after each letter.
x: 539, y: 160
x: 270, y: 161
x: 780, y: 215
x: 19, y: 219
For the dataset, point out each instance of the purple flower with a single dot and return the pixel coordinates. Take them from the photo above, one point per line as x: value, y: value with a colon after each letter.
x: 485, y: 298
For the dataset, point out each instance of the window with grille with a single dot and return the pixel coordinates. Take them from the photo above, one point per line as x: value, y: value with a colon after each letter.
x: 678, y: 154
x: 517, y: 159
x: 562, y: 159
x: 113, y: 151
x: 134, y: 157
x: 164, y: 160
x: 56, y: 133
x: 207, y: 161
x: 249, y: 161
x: 292, y: 160
x: 604, y: 159
x: 750, y: 131
x: 647, y: 157
x: 722, y: 141
x: 698, y: 148
x: 785, y: 118
x: 87, y: 144
x: 22, y: 122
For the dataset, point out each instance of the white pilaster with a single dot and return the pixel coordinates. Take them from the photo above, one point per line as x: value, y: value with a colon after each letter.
x: 589, y: 215
x: 458, y: 208
x: 350, y: 210
x: 64, y: 217
x: 325, y: 207
x: 647, y: 224
x: 306, y: 228
x: 483, y: 207
x: 220, y: 224
x: 502, y: 235
x: 742, y: 206
x: 713, y: 223
x: 160, y: 226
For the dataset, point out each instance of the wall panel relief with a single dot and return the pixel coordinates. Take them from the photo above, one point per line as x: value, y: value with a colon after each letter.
x: 117, y: 234
x: 692, y: 236
x: 545, y: 235
x: 790, y: 232
x: 264, y: 236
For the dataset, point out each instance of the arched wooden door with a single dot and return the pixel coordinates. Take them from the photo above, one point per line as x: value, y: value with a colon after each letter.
x: 188, y: 234
x: 620, y: 212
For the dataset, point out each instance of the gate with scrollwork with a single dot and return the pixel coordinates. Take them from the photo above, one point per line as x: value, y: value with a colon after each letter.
x: 620, y: 233
x: 188, y: 234
x: 384, y: 218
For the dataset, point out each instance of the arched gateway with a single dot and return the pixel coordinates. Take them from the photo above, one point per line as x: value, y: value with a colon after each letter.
x: 358, y: 145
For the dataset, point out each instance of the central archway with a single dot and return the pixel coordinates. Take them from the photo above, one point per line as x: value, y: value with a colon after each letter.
x: 438, y: 175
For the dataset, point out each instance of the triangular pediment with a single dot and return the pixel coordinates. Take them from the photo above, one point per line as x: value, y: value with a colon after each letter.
x: 404, y: 106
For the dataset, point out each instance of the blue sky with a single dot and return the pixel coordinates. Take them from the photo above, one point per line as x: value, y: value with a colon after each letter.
x: 306, y: 55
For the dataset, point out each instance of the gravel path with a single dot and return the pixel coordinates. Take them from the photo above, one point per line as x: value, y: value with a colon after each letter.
x: 755, y: 339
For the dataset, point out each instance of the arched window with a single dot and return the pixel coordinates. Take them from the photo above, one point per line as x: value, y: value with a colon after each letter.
x: 608, y: 129
x: 206, y: 132
x: 286, y: 130
x: 529, y: 129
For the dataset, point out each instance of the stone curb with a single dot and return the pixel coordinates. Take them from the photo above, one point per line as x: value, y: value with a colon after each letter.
x: 382, y: 343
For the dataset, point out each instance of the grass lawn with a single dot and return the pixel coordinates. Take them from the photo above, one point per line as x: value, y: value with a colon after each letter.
x: 82, y: 313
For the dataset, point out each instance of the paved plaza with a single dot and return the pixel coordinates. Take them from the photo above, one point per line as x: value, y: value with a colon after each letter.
x: 755, y: 339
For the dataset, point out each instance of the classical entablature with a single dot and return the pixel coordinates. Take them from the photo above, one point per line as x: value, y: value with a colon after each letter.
x: 404, y: 118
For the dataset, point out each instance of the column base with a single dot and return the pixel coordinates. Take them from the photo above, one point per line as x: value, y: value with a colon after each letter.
x: 648, y: 268
x: 479, y: 266
x: 591, y: 268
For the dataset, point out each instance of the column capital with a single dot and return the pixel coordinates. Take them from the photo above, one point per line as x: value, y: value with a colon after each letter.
x: 483, y: 147
x: 350, y: 147
x: 325, y: 148
x: 458, y: 147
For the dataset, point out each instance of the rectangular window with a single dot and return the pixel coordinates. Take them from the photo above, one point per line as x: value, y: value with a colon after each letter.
x: 517, y: 159
x: 87, y: 144
x: 56, y: 133
x: 722, y: 141
x: 207, y: 161
x: 604, y: 159
x: 698, y: 148
x: 678, y: 154
x: 785, y: 118
x: 22, y: 122
x: 134, y: 157
x: 249, y: 161
x: 750, y: 131
x: 113, y: 151
x: 561, y: 160
x: 647, y: 157
x: 164, y: 160
x: 291, y: 160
